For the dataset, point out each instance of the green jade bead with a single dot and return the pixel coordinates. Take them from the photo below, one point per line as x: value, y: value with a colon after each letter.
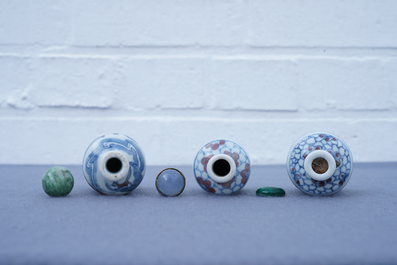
x: 270, y: 192
x: 57, y: 181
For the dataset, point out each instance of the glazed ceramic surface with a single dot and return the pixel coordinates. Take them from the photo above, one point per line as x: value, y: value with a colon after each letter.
x: 237, y: 172
x: 323, y: 145
x: 114, y: 164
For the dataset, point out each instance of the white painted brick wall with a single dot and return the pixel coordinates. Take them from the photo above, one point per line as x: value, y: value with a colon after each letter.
x: 176, y: 74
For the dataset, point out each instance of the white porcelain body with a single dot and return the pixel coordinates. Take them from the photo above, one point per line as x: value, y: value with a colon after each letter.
x: 130, y: 170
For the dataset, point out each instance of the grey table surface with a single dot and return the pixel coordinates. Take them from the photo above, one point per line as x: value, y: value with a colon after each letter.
x: 358, y: 225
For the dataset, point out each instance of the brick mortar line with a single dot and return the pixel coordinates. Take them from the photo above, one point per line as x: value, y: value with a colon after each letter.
x: 192, y: 52
x: 195, y: 119
x: 240, y: 57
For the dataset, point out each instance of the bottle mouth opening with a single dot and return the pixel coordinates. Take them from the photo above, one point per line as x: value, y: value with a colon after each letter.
x: 320, y: 165
x: 221, y: 168
x: 114, y: 165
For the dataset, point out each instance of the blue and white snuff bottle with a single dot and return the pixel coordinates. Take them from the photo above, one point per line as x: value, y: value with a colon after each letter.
x: 320, y: 164
x: 222, y: 167
x: 114, y: 164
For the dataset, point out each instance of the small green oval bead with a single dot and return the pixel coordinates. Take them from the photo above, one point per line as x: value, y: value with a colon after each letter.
x: 270, y: 192
x: 57, y: 181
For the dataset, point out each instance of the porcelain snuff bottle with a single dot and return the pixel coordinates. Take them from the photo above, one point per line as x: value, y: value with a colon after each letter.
x: 320, y: 164
x: 222, y: 167
x: 114, y: 164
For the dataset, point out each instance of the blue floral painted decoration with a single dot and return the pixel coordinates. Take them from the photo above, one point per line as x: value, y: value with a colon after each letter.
x: 222, y: 167
x: 114, y: 164
x: 306, y: 173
